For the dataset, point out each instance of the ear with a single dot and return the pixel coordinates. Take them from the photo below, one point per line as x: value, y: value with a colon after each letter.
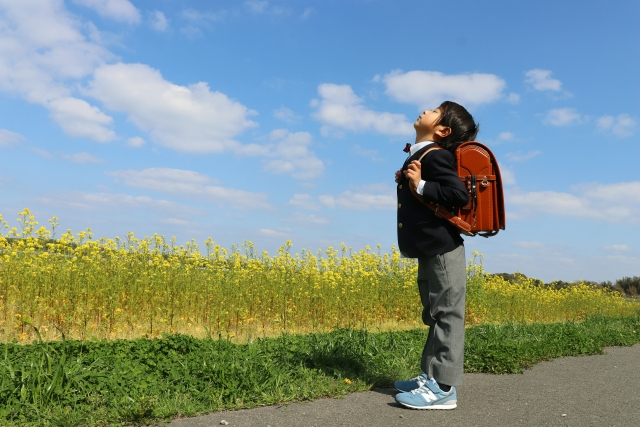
x: 443, y: 131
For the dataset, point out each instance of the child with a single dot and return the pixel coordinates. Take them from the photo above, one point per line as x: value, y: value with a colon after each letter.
x: 440, y: 251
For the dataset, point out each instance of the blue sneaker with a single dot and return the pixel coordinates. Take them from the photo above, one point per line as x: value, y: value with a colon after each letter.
x: 428, y: 396
x: 412, y: 384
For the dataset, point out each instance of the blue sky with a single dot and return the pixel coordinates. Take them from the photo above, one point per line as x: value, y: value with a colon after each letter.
x: 275, y: 120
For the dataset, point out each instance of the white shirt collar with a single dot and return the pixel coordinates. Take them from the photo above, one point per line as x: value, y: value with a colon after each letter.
x: 417, y: 146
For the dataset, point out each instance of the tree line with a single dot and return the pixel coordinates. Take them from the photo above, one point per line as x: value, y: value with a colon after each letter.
x: 628, y: 286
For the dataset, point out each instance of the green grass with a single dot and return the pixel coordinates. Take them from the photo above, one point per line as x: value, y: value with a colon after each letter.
x: 132, y: 382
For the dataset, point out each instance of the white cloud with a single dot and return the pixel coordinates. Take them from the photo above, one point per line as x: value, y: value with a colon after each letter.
x: 292, y: 155
x: 174, y: 181
x: 505, y: 136
x: 368, y: 153
x: 9, y: 139
x: 502, y: 138
x: 428, y: 89
x: 368, y: 197
x: 256, y: 6
x: 285, y: 114
x: 119, y: 10
x: 328, y: 200
x: 44, y: 56
x: 528, y: 245
x: 79, y: 200
x: 521, y: 157
x: 187, y: 183
x: 340, y: 108
x: 508, y: 177
x: 136, y: 142
x: 42, y: 153
x: 78, y: 118
x: 616, y: 202
x: 549, y: 202
x: 611, y: 193
x: 196, y: 19
x: 606, y: 122
x: 304, y: 201
x: 191, y: 119
x: 307, y: 13
x: 312, y: 220
x: 42, y: 52
x: 195, y: 15
x: 541, y: 80
x: 562, y: 117
x: 542, y: 248
x: 82, y: 158
x: 159, y: 22
x: 360, y: 201
x: 513, y: 98
x: 262, y: 7
x: 191, y: 32
x: 173, y: 221
x: 43, y: 42
x: 273, y: 233
x: 621, y: 126
x: 617, y: 248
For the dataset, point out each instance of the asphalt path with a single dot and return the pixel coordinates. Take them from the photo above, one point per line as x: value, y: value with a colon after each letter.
x: 600, y: 390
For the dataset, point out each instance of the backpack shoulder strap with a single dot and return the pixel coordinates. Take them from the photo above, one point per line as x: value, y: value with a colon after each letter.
x: 428, y: 151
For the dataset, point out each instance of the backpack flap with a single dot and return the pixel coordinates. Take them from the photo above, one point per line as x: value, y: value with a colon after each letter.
x: 478, y: 169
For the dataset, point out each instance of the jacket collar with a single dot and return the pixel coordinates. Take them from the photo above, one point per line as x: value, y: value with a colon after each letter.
x: 419, y: 146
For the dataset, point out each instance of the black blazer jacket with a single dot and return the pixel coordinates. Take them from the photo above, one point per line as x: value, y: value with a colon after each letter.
x: 420, y: 232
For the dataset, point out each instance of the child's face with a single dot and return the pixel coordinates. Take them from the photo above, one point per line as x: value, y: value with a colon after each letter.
x: 427, y: 121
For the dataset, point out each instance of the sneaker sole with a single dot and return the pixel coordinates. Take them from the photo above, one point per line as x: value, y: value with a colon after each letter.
x: 442, y: 407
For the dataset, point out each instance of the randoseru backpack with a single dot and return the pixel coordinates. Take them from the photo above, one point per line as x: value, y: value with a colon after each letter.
x: 478, y: 169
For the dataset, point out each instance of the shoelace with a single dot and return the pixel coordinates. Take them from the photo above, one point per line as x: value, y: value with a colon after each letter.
x: 420, y: 380
x: 422, y: 389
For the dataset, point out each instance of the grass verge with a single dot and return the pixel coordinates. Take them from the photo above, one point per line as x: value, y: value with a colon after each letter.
x: 74, y: 383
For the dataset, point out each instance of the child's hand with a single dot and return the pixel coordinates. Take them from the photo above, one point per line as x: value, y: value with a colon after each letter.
x: 414, y: 174
x: 398, y: 173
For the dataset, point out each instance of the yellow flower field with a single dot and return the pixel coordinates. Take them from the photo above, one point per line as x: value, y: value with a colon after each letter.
x: 130, y: 287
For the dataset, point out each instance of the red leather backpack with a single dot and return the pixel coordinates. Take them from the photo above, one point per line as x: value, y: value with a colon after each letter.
x: 478, y: 169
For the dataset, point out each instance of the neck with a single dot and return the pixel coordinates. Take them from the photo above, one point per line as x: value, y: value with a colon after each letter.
x: 426, y: 137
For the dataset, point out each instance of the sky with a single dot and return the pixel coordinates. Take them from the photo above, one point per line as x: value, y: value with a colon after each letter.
x: 270, y: 121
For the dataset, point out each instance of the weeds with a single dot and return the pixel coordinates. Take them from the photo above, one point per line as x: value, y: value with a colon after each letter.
x: 138, y: 381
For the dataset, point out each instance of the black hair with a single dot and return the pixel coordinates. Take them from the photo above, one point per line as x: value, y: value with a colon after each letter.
x: 463, y: 127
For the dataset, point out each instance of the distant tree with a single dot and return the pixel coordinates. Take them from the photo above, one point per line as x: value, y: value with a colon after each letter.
x: 630, y: 286
x: 518, y: 278
x: 560, y: 284
x: 602, y: 285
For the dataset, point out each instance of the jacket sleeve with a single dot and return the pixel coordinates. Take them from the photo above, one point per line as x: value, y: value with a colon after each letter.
x: 442, y: 183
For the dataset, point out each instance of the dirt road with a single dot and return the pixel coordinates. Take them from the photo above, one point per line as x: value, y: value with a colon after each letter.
x: 601, y: 390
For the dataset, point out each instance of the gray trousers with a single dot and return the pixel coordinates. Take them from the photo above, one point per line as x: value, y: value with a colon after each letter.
x: 442, y: 281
